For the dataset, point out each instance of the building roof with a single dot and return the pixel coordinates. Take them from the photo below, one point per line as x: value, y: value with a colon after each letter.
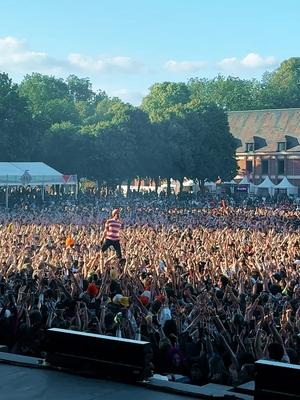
x: 265, y: 128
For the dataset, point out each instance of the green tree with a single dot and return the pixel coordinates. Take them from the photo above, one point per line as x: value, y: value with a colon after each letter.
x: 212, y: 145
x: 165, y: 100
x: 80, y: 89
x: 120, y: 132
x: 228, y: 93
x: 281, y: 88
x: 17, y: 133
x: 61, y: 148
x: 49, y: 99
x: 175, y: 152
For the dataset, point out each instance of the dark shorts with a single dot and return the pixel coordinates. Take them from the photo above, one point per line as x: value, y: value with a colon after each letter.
x: 115, y: 244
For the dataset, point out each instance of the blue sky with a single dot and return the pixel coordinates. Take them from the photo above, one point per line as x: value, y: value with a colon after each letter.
x: 124, y: 46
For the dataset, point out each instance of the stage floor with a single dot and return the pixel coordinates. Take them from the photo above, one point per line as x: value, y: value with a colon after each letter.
x: 39, y: 384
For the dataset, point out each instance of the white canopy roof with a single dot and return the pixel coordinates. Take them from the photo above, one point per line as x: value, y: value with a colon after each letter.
x: 32, y: 174
x: 286, y: 184
x: 209, y: 183
x: 188, y: 183
x: 232, y: 182
x: 267, y: 184
x: 245, y: 181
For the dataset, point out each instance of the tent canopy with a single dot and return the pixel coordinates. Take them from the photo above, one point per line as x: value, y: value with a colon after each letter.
x: 32, y: 174
x: 188, y: 183
x: 267, y: 184
x: 286, y: 184
x: 245, y: 181
x: 209, y: 183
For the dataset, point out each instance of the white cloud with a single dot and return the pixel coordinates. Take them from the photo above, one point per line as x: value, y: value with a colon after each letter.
x: 250, y: 61
x: 253, y: 60
x: 184, y: 66
x: 16, y: 56
x: 228, y: 63
x: 105, y: 64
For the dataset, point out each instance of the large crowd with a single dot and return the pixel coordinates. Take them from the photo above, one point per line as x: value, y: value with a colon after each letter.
x: 212, y: 286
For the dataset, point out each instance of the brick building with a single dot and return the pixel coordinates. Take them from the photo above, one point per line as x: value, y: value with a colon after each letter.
x: 268, y: 143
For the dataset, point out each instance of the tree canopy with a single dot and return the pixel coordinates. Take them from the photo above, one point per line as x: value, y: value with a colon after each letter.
x: 180, y: 130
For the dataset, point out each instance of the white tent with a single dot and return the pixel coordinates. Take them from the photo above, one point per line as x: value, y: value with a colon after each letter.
x: 285, y: 184
x: 32, y: 174
x: 210, y: 186
x: 163, y: 187
x: 232, y: 182
x: 267, y: 184
x: 246, y: 181
x: 189, y: 183
x: 209, y: 183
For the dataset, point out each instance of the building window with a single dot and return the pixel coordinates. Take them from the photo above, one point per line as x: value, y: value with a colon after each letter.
x: 281, y: 146
x: 280, y: 167
x: 249, y: 166
x: 264, y: 167
x: 249, y: 147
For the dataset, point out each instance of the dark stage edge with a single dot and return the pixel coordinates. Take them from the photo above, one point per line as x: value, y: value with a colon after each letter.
x: 39, y: 384
x: 23, y: 377
x: 17, y: 382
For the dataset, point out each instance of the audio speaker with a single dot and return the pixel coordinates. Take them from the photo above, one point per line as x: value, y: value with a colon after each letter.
x: 97, y: 355
x: 276, y: 381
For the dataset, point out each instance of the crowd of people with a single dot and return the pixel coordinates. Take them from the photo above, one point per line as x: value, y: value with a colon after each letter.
x: 212, y: 286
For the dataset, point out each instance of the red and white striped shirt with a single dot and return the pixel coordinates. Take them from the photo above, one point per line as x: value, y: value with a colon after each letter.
x: 112, y: 229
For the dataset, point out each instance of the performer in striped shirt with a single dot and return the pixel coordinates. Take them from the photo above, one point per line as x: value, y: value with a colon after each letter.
x: 111, y: 235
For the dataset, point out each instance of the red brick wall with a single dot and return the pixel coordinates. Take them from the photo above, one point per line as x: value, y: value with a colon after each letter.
x: 241, y: 165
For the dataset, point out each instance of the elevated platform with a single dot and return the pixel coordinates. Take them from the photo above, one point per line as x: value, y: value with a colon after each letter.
x: 30, y: 378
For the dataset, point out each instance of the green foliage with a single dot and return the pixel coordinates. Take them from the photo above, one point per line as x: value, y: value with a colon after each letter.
x: 39, y: 89
x: 17, y: 136
x: 229, y: 93
x: 166, y: 100
x: 180, y: 130
x: 213, y: 146
x: 281, y: 89
x: 60, y: 145
x: 80, y: 89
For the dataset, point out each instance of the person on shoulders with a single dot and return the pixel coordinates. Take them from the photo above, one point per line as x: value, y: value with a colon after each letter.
x: 111, y: 235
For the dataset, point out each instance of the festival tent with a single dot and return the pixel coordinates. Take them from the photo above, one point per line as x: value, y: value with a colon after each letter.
x: 267, y: 184
x: 246, y: 181
x: 210, y: 186
x: 33, y: 174
x: 163, y: 186
x: 285, y: 184
x: 232, y: 182
x: 188, y: 183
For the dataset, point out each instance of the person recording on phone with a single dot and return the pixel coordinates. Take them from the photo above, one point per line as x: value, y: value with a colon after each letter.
x: 111, y: 234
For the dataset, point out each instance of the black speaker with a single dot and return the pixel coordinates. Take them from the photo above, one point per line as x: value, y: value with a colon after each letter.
x: 276, y: 381
x: 99, y: 356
